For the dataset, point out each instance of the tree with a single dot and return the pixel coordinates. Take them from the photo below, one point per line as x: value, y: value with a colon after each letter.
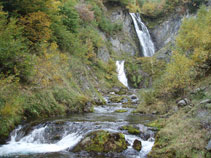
x: 14, y: 57
x: 36, y: 29
x: 24, y: 7
x: 179, y: 74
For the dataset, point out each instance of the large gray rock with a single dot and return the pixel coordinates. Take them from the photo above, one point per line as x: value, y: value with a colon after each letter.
x: 208, y: 147
x: 125, y: 42
x: 205, y: 101
x: 166, y: 32
x: 103, y: 54
x: 183, y: 102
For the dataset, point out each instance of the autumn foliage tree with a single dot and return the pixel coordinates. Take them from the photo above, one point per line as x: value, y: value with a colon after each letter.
x: 179, y: 74
x: 36, y: 29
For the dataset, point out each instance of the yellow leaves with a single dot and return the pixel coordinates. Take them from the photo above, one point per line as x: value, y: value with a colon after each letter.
x: 179, y: 73
x: 36, y: 27
x: 53, y: 46
x: 5, y: 82
x: 152, y: 8
x: 133, y: 8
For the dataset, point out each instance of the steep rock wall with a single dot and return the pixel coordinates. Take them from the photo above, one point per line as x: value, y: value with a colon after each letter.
x: 121, y: 43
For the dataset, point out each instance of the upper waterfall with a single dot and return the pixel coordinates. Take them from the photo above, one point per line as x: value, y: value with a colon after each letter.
x: 143, y: 35
x: 121, y: 72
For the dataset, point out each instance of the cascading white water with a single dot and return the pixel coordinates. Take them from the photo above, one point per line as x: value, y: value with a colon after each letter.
x: 121, y: 73
x: 35, y: 143
x: 143, y: 35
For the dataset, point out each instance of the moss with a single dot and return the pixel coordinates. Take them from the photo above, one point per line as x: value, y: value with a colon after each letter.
x: 160, y: 123
x: 116, y: 99
x: 131, y: 129
x: 121, y: 110
x: 102, y: 141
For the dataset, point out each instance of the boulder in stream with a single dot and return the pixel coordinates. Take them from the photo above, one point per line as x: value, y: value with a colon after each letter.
x: 102, y: 141
x: 137, y: 145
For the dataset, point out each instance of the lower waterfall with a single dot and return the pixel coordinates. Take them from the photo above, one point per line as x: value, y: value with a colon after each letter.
x: 121, y: 73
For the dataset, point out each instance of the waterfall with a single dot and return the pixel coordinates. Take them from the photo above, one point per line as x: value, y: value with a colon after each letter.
x: 121, y: 72
x: 143, y: 35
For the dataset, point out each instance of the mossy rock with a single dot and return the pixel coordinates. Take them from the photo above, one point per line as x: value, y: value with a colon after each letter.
x: 131, y: 129
x: 102, y: 141
x: 121, y: 111
x: 137, y: 145
x: 122, y: 91
x: 116, y: 99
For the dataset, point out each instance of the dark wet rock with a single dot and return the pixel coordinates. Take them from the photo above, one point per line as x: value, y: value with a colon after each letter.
x: 137, y: 145
x: 145, y: 136
x: 207, y: 101
x: 102, y: 141
x: 208, y: 147
x: 131, y: 129
x: 56, y: 137
x: 134, y: 97
x: 147, y: 132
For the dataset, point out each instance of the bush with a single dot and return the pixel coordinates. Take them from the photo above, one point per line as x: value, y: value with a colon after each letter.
x: 179, y: 74
x: 70, y: 17
x: 149, y: 97
x: 36, y: 29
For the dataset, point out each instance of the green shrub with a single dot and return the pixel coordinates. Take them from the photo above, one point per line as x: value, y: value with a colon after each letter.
x: 14, y: 54
x: 70, y: 17
x: 179, y: 74
x: 148, y: 96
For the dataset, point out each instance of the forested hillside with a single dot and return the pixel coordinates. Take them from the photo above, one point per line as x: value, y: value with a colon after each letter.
x: 58, y: 57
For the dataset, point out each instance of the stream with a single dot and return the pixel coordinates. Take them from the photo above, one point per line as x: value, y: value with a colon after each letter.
x: 54, y: 138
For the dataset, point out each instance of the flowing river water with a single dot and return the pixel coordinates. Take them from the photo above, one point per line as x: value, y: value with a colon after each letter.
x: 55, y: 138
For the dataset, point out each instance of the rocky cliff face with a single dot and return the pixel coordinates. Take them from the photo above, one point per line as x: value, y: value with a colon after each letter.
x: 124, y: 42
x: 165, y: 32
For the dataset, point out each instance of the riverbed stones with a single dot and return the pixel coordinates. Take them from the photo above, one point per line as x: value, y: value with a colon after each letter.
x: 137, y: 145
x: 102, y: 141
